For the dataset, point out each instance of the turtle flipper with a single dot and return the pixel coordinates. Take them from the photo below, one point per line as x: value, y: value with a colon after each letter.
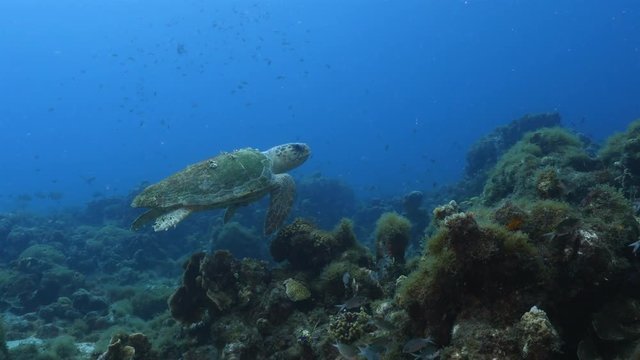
x: 282, y: 197
x: 228, y: 214
x: 164, y: 219
x: 146, y: 218
x: 170, y: 219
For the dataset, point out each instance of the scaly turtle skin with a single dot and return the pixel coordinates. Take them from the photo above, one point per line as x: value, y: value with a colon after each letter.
x: 229, y: 180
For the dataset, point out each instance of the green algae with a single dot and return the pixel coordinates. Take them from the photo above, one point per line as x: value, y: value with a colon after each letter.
x: 533, y: 167
x: 392, y: 234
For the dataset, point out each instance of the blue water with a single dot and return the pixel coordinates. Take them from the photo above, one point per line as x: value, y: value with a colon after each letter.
x: 98, y: 96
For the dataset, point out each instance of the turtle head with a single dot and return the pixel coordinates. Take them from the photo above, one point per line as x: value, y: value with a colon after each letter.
x: 287, y: 156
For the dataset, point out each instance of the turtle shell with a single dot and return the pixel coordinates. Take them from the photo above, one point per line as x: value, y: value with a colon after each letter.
x: 229, y: 178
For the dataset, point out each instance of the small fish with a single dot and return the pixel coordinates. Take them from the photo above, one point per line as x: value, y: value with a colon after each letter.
x: 415, y: 345
x: 382, y: 324
x: 346, y: 279
x: 428, y: 353
x: 374, y: 276
x: 565, y: 227
x: 636, y: 246
x: 354, y: 302
x: 347, y: 351
x: 88, y: 179
x: 369, y: 352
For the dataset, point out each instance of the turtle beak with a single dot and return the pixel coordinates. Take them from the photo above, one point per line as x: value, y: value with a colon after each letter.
x: 303, y: 150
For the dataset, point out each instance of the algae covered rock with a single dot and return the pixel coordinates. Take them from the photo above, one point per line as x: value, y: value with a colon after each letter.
x: 466, y: 259
x: 392, y: 234
x: 480, y: 337
x: 216, y: 284
x: 487, y: 151
x: 621, y: 153
x: 296, y: 290
x: 537, y: 336
x: 129, y: 347
x: 348, y: 326
x: 545, y: 164
x: 306, y: 247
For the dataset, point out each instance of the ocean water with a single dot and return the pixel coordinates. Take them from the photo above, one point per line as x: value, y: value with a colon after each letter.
x: 99, y: 96
x: 536, y: 260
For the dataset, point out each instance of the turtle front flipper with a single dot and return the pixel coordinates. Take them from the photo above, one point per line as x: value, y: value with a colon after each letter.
x: 164, y: 219
x: 228, y: 214
x: 146, y: 218
x: 282, y: 197
x: 170, y: 219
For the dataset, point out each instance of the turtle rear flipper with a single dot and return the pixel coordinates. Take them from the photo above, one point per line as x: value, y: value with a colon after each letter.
x: 146, y: 218
x: 282, y: 197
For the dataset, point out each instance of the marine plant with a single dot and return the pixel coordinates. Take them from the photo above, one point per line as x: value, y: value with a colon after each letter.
x: 306, y: 247
x: 468, y: 260
x: 348, y: 326
x: 342, y: 278
x: 536, y: 166
x: 621, y: 155
x: 616, y: 147
x: 392, y: 234
x: 150, y: 302
x: 63, y: 347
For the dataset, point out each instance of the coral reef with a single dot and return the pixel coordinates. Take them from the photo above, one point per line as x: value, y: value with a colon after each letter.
x: 543, y: 264
x: 348, y: 326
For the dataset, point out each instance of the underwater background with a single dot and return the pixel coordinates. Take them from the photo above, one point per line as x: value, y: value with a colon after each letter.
x: 472, y: 190
x: 99, y: 96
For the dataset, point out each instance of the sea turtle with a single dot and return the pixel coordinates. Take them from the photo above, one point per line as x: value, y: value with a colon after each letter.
x: 229, y: 180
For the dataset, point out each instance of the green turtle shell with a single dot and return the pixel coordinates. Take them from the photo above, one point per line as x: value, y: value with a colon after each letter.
x: 227, y: 179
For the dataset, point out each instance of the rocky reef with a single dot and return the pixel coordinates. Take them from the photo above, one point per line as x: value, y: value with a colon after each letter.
x: 536, y: 259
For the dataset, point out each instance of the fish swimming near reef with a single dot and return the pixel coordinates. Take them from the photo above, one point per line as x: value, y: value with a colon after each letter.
x: 415, y: 345
x: 369, y: 352
x: 382, y: 324
x: 353, y: 303
x: 565, y: 228
x: 346, y: 279
x: 347, y: 351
